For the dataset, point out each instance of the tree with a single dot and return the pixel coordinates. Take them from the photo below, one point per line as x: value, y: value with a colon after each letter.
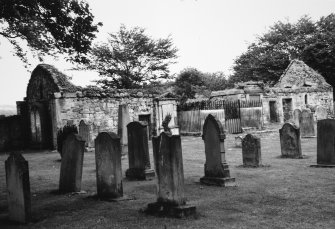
x: 311, y: 42
x: 132, y: 58
x: 49, y: 27
x: 214, y: 81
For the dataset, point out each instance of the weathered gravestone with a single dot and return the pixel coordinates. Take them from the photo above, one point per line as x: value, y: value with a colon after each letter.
x: 307, y: 123
x: 123, y: 120
x: 108, y: 166
x: 326, y: 143
x: 72, y: 164
x: 170, y: 178
x: 138, y: 152
x: 290, y: 142
x: 84, y: 132
x: 297, y: 117
x: 18, y: 188
x: 216, y: 168
x: 251, y: 151
x: 238, y: 141
x: 321, y: 113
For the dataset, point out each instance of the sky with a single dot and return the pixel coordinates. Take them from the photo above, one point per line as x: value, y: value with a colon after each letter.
x: 209, y: 34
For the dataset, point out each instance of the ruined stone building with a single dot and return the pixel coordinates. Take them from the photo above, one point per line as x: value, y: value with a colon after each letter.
x: 298, y: 87
x: 52, y: 101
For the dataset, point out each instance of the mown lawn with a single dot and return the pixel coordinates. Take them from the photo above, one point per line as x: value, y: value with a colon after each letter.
x: 285, y: 193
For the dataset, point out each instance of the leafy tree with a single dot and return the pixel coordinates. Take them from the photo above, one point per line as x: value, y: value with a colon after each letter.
x: 214, y: 81
x: 311, y: 42
x: 132, y: 58
x: 48, y: 27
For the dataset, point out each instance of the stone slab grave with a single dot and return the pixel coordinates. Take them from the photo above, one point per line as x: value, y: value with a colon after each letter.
x: 297, y: 117
x: 216, y: 168
x: 123, y: 120
x: 72, y: 164
x: 290, y: 142
x: 251, y: 151
x: 306, y: 124
x: 18, y: 188
x: 108, y: 167
x: 170, y: 178
x: 138, y: 152
x: 84, y: 133
x: 321, y: 113
x: 238, y: 141
x: 325, y: 143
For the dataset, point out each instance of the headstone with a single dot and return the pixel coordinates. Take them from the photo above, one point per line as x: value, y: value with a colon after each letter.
x: 238, y: 141
x: 138, y: 152
x: 251, y: 151
x: 72, y: 164
x: 216, y: 168
x: 170, y: 178
x: 18, y: 188
x: 123, y: 120
x: 307, y: 123
x: 321, y: 113
x: 290, y: 142
x: 297, y: 117
x: 326, y: 143
x: 108, y: 165
x: 84, y: 132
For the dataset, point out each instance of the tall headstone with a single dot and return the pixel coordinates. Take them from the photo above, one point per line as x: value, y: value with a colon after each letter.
x: 18, y: 188
x: 297, y: 117
x: 108, y: 165
x: 251, y: 151
x: 321, y: 113
x: 170, y: 178
x: 138, y: 152
x: 84, y: 132
x: 326, y: 143
x: 216, y: 168
x: 123, y: 120
x: 72, y: 164
x: 307, y: 123
x: 290, y: 142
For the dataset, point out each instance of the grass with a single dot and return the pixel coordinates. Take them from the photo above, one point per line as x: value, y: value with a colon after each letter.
x: 286, y: 193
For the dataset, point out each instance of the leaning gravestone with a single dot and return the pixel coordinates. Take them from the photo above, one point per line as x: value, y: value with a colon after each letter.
x: 307, y: 123
x: 72, y: 164
x: 18, y: 188
x: 290, y: 142
x: 170, y: 178
x: 216, y: 168
x: 297, y: 117
x: 138, y: 152
x: 325, y: 143
x: 251, y: 151
x: 321, y: 113
x: 123, y: 120
x: 84, y: 132
x: 108, y: 166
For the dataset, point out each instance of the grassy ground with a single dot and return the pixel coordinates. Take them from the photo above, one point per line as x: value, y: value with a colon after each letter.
x: 287, y: 193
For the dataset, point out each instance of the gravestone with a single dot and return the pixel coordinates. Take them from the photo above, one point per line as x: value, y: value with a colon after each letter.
x: 326, y: 143
x: 18, y: 188
x: 251, y: 151
x: 297, y: 117
x: 123, y: 120
x: 290, y: 142
x: 170, y: 178
x: 307, y: 123
x: 238, y: 141
x: 216, y: 168
x: 108, y: 165
x: 138, y: 152
x: 321, y: 113
x: 84, y: 132
x: 72, y: 164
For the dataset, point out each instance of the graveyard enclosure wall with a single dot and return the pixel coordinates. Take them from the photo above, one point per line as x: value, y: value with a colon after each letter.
x: 252, y: 117
x: 301, y: 98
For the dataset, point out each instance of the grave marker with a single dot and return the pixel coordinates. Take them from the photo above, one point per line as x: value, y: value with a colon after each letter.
x: 18, y: 188
x: 307, y: 123
x: 123, y: 120
x: 290, y: 142
x: 251, y: 151
x: 72, y: 164
x: 108, y: 165
x: 216, y: 168
x: 84, y: 132
x: 297, y: 117
x: 138, y: 152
